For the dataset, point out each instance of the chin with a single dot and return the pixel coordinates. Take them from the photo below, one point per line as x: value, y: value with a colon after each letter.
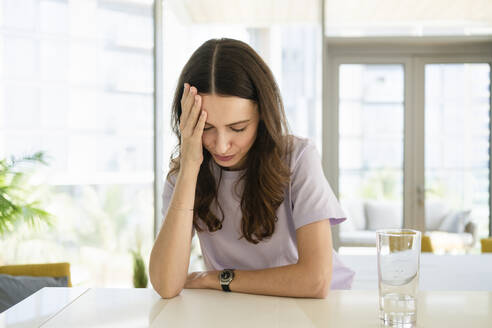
x: 225, y: 164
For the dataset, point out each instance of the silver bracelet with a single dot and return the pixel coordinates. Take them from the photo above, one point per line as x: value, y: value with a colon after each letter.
x: 181, y: 209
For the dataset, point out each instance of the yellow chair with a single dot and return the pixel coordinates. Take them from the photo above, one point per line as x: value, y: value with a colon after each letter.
x: 426, y: 245
x: 39, y: 270
x: 486, y: 245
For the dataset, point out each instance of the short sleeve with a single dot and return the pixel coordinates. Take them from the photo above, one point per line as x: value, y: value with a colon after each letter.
x: 167, y: 194
x: 312, y: 197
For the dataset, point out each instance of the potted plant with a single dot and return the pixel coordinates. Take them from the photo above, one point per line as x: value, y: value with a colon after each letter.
x: 16, y: 203
x: 140, y: 279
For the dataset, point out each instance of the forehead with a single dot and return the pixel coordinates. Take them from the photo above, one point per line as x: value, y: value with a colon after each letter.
x: 225, y: 110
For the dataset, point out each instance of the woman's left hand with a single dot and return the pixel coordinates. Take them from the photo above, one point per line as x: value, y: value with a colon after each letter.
x: 203, y: 279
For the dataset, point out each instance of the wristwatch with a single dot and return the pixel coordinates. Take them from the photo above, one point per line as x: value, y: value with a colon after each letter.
x: 225, y: 278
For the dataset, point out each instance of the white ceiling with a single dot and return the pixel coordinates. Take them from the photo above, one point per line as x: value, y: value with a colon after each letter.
x: 374, y: 11
x: 247, y: 12
x: 474, y: 15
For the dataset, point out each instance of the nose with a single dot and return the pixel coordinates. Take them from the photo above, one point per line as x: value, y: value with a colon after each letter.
x: 222, y: 144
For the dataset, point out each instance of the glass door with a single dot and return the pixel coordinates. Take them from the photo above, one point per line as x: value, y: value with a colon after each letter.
x: 411, y: 140
x: 457, y: 160
x: 371, y: 101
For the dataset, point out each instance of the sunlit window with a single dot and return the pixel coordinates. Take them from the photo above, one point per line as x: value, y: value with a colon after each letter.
x: 77, y: 83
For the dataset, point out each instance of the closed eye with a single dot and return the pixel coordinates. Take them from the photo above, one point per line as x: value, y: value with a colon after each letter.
x: 235, y: 130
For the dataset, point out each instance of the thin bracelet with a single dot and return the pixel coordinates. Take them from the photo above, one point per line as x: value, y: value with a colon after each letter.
x: 182, y: 209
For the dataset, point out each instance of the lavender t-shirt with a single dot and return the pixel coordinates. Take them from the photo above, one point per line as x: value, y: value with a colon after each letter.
x: 308, y: 199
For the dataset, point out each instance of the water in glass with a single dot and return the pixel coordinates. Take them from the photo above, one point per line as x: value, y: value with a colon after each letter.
x: 398, y: 273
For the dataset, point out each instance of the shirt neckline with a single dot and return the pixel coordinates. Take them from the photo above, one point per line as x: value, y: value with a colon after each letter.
x: 226, y: 174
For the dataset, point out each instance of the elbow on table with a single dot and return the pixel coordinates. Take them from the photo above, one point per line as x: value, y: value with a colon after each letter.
x: 322, y: 287
x: 322, y: 293
x: 165, y: 290
x: 168, y: 293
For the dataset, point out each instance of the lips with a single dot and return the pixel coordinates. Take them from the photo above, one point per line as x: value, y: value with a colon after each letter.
x: 224, y: 158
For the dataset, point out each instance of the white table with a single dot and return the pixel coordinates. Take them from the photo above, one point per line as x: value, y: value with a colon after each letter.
x: 40, y: 307
x: 210, y: 308
x: 437, y: 272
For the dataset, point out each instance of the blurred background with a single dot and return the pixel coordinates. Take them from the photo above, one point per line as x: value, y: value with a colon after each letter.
x: 395, y: 94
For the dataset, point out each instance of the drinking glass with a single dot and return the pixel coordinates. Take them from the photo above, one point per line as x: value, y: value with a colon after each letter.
x: 398, y: 276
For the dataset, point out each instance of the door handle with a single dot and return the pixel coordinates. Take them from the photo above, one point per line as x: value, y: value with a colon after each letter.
x: 421, y: 190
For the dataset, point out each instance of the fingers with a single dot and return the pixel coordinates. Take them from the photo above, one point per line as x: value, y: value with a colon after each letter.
x: 190, y: 122
x: 186, y: 89
x: 201, y: 124
x: 187, y: 101
x: 190, y: 98
x: 184, y: 97
x: 194, y: 112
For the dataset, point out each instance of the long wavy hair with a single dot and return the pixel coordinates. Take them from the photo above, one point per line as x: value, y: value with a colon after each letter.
x: 228, y: 67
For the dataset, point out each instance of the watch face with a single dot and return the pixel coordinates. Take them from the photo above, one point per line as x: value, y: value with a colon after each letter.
x: 226, y: 276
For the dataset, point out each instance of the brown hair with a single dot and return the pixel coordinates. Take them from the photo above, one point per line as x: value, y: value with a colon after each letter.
x: 229, y: 67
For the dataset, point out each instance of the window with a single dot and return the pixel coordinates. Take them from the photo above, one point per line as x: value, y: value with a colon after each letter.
x: 413, y: 119
x: 457, y: 134
x: 77, y: 82
x: 371, y: 108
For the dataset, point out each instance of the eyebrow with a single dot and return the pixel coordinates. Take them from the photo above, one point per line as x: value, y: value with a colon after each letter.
x: 231, y: 124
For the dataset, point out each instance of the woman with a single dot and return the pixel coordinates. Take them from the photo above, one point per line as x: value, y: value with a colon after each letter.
x: 256, y: 196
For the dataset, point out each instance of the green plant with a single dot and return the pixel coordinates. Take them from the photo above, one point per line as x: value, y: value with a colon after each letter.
x: 140, y: 279
x: 16, y: 203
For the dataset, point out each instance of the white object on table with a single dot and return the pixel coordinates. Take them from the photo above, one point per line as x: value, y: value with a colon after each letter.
x: 211, y: 308
x: 437, y: 272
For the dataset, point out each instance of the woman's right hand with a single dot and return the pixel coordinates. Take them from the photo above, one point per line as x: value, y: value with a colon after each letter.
x: 191, y: 124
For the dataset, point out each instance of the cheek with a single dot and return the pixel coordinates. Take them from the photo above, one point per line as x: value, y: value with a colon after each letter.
x: 206, y: 140
x: 248, y: 139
